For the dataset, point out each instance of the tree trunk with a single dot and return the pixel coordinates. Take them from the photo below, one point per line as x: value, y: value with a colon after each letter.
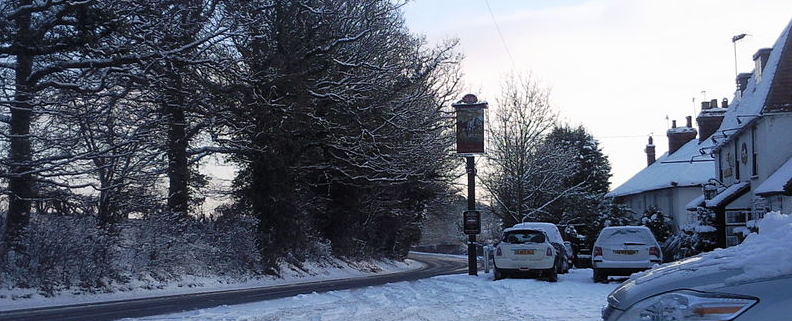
x: 178, y: 170
x: 20, y: 184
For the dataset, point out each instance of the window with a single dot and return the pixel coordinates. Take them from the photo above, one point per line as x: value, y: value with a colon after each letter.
x: 753, y: 152
x: 736, y: 160
x: 736, y: 217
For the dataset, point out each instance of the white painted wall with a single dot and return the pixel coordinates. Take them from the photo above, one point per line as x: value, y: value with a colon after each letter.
x: 670, y: 201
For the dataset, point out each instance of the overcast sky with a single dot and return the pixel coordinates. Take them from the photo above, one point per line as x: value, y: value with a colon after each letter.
x: 618, y: 67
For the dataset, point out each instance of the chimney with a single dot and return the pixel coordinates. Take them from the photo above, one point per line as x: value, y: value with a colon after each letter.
x: 650, y: 152
x: 742, y: 82
x: 705, y: 105
x: 760, y: 59
x: 679, y: 136
x: 709, y: 120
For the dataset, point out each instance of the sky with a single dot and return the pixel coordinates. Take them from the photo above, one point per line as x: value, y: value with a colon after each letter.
x: 621, y: 68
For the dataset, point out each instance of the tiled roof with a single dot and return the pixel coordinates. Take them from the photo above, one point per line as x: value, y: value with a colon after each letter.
x: 780, y: 97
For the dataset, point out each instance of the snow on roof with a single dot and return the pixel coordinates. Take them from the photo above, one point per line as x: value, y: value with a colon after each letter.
x: 745, y: 109
x: 728, y: 193
x: 549, y: 228
x: 695, y: 203
x: 685, y: 167
x: 630, y: 227
x: 776, y: 182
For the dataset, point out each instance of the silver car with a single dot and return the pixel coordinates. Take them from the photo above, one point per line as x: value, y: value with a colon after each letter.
x: 623, y: 250
x: 685, y: 290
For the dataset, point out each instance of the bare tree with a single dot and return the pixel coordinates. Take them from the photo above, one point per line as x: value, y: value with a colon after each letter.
x: 523, y: 174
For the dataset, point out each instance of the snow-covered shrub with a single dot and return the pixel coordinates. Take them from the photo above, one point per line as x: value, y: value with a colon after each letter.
x: 63, y: 252
x: 232, y: 245
x: 693, y: 238
x: 163, y: 246
x: 167, y: 247
x: 659, y: 223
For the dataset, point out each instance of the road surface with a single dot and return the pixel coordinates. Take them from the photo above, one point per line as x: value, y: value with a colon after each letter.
x: 104, y: 311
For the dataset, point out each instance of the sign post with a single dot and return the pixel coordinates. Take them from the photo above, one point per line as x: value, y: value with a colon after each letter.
x: 470, y: 142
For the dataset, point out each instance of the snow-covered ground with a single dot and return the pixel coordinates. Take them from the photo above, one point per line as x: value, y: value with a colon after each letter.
x: 311, y: 272
x: 453, y: 297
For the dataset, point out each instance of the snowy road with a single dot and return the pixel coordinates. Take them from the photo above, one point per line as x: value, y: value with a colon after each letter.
x: 451, y: 297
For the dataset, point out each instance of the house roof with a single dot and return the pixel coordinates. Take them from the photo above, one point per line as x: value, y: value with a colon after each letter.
x: 728, y: 194
x: 695, y: 203
x: 773, y: 90
x: 778, y: 183
x: 685, y: 167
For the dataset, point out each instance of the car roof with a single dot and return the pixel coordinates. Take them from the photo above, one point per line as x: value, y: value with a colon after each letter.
x: 549, y: 228
x: 641, y: 227
x: 523, y: 229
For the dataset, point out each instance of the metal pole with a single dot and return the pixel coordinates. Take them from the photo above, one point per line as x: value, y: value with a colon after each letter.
x: 471, y: 172
x: 735, y: 58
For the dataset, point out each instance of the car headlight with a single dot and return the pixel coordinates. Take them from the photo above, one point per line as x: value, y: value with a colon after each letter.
x: 688, y: 305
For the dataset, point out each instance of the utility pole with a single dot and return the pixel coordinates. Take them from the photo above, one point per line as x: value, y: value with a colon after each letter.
x: 470, y: 122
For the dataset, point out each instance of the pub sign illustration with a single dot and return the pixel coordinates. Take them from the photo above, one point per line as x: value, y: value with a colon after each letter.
x: 470, y: 125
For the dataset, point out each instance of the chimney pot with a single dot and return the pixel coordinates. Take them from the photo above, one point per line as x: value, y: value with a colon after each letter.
x: 689, y: 120
x: 679, y: 137
x: 705, y: 105
x: 725, y: 103
x: 714, y: 103
x: 650, y: 152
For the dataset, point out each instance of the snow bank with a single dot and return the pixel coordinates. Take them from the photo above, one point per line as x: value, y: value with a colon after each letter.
x: 13, y: 299
x: 761, y: 256
x: 575, y: 297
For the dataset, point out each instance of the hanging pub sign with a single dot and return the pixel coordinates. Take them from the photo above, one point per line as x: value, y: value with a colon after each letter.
x: 470, y: 125
x: 472, y: 222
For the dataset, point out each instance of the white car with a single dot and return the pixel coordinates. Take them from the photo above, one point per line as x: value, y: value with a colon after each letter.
x: 554, y: 236
x: 524, y: 251
x: 623, y: 250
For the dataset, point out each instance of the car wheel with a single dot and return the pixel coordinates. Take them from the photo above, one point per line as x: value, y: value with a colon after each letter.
x: 600, y: 276
x: 497, y: 274
x: 552, y: 275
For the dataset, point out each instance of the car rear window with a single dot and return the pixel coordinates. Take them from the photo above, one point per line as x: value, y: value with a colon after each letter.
x: 524, y: 236
x: 626, y: 236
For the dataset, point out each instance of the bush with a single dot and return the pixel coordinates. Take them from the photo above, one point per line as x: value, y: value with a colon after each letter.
x: 62, y: 252
x: 693, y: 238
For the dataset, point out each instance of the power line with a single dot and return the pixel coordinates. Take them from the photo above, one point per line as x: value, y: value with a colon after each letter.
x: 500, y: 34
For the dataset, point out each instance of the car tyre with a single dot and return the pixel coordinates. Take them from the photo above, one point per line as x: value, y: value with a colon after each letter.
x: 552, y: 274
x: 497, y: 274
x: 600, y: 276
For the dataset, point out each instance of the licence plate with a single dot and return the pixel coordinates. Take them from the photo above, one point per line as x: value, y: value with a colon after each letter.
x: 524, y: 252
x: 625, y: 252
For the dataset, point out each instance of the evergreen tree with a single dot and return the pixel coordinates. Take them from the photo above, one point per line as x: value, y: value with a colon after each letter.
x: 588, y: 177
x: 658, y: 222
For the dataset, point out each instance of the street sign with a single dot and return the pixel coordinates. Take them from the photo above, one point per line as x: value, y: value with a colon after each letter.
x: 472, y: 222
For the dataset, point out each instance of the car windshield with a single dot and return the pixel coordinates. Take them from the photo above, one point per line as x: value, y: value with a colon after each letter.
x: 626, y: 237
x: 524, y: 236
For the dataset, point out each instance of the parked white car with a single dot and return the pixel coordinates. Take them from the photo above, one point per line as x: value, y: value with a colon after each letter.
x: 525, y: 251
x: 623, y: 250
x: 554, y: 236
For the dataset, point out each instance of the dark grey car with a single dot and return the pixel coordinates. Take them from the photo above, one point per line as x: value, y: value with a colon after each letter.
x: 687, y: 290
